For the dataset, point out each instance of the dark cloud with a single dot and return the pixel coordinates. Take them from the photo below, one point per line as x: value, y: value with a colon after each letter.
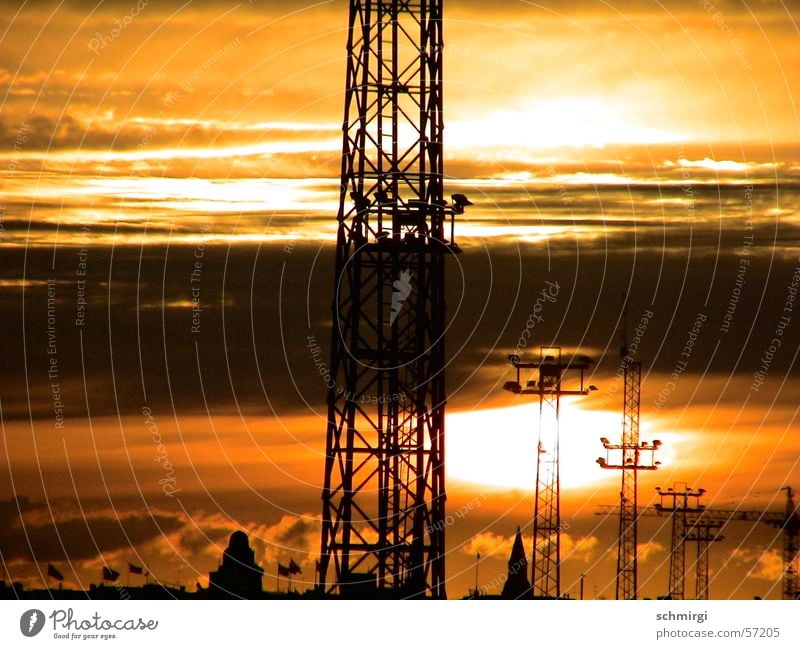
x: 197, y: 542
x: 261, y: 302
x: 733, y: 6
x: 39, y: 132
x: 74, y: 538
x: 295, y: 534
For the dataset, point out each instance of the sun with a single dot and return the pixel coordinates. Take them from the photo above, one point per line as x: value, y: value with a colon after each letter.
x: 553, y: 123
x: 497, y: 446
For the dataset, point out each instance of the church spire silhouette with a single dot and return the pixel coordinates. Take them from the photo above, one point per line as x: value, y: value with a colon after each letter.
x: 517, y: 585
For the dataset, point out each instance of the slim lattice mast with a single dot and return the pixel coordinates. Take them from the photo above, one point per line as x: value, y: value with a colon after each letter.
x: 681, y: 501
x: 546, y: 556
x: 630, y: 457
x: 384, y: 493
x: 791, y: 544
x: 703, y: 533
x: 695, y: 517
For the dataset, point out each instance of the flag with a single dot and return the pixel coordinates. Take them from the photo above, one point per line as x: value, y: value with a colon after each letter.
x: 294, y: 568
x: 283, y: 571
x: 109, y: 574
x: 55, y: 574
x: 135, y: 570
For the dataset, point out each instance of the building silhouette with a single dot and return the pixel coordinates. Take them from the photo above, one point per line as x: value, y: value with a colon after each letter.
x: 517, y: 585
x: 238, y: 576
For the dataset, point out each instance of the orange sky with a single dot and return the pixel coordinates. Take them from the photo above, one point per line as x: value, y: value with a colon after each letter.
x: 219, y: 125
x: 215, y: 74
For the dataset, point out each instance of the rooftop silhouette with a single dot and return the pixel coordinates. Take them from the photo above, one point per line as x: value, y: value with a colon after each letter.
x: 238, y: 576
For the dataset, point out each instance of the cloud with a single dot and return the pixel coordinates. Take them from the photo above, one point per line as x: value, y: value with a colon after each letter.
x: 761, y: 564
x: 162, y: 541
x: 143, y: 135
x: 489, y: 544
x: 769, y: 566
x: 286, y: 67
x: 30, y: 537
x: 581, y: 549
x: 167, y: 6
x: 296, y: 532
x: 648, y: 549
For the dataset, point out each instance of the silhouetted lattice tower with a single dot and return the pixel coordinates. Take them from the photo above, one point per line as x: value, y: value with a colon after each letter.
x: 688, y: 516
x: 681, y: 501
x: 384, y: 491
x: 703, y: 533
x: 549, y: 387
x: 791, y: 543
x: 631, y: 456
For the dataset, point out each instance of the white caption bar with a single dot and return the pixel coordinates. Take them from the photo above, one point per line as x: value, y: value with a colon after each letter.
x: 390, y: 625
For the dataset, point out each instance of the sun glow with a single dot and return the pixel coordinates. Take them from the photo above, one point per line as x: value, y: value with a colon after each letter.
x: 498, y: 446
x: 554, y: 123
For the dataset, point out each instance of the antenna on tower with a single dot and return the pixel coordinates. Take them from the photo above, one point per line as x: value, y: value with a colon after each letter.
x: 623, y: 350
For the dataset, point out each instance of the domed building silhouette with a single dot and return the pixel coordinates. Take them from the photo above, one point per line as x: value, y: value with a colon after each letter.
x: 238, y: 575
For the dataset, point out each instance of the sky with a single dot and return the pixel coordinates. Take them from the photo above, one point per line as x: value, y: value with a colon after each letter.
x: 168, y: 197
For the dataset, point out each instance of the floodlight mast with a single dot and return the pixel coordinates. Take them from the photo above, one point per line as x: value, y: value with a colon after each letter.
x: 681, y: 500
x: 631, y: 457
x: 549, y: 388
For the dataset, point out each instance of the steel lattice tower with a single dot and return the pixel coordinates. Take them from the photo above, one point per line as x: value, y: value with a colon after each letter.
x: 791, y: 536
x: 703, y: 533
x: 633, y: 456
x: 788, y: 521
x: 626, y: 555
x: 384, y: 487
x: 682, y: 501
x: 546, y: 554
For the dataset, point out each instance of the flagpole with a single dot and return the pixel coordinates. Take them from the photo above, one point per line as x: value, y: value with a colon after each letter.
x: 278, y: 580
x: 477, y: 559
